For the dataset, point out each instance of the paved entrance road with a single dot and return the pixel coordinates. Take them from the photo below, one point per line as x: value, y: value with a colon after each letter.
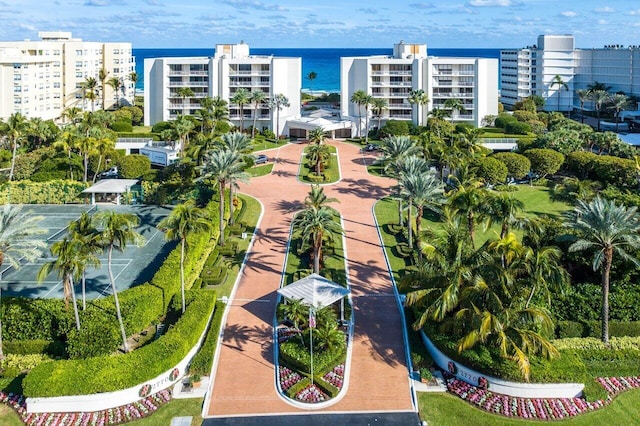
x: 244, y: 382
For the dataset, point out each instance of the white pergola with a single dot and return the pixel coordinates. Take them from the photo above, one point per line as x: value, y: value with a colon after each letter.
x: 316, y: 291
x: 116, y: 187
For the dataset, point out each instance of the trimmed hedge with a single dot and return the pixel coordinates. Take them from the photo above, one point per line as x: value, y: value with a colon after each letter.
x: 36, y: 346
x: 112, y: 373
x: 566, y: 329
x: 202, y: 361
x: 292, y: 353
x: 49, y: 192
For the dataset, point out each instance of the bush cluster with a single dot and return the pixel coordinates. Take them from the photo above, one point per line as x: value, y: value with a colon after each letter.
x: 50, y: 192
x: 568, y: 329
x: 295, y: 354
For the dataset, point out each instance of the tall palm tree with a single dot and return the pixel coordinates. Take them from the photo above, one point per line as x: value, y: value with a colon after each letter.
x: 72, y: 114
x: 502, y: 208
x: 205, y: 114
x: 599, y: 97
x: 318, y: 154
x: 366, y: 102
x: 316, y: 225
x: 583, y: 96
x: 316, y: 198
x: 104, y: 145
x: 316, y: 135
x: 240, y: 144
x: 419, y: 98
x: 468, y: 197
x: 311, y: 76
x: 558, y: 82
x: 115, y: 84
x: 133, y: 78
x: 90, y: 86
x: 425, y: 191
x: 184, y: 220
x: 278, y: 102
x: 18, y: 233
x: 15, y: 130
x: 86, y: 234
x: 86, y: 146
x: 68, y: 263
x: 619, y: 102
x: 606, y: 228
x: 378, y: 105
x: 257, y: 98
x: 236, y: 141
x: 218, y: 166
x: 41, y: 131
x: 118, y: 230
x: 184, y: 93
x: 357, y: 98
x: 220, y: 111
x: 240, y: 98
x: 102, y: 76
x: 394, y: 150
x: 545, y: 272
x: 454, y: 105
x: 183, y: 125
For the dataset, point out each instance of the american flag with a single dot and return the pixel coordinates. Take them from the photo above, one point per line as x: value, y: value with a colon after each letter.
x: 312, y: 318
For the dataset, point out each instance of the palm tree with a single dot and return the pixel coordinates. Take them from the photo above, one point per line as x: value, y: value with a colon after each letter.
x: 599, y: 97
x: 419, y: 98
x: 184, y: 93
x: 240, y: 144
x: 378, y: 105
x: 103, y: 146
x: 72, y: 114
x: 295, y: 311
x: 236, y: 141
x: 278, y: 103
x: 68, y: 263
x: 559, y: 82
x: 86, y: 234
x: 454, y: 105
x: 366, y: 101
x: 118, y: 230
x: 311, y: 76
x: 15, y: 130
x: 102, y: 76
x: 133, y: 77
x: 115, y: 84
x: 89, y: 86
x: 86, y: 146
x: 316, y: 198
x: 220, y: 111
x: 327, y: 337
x: 318, y: 154
x: 240, y: 98
x: 258, y: 98
x: 606, y: 228
x: 545, y: 272
x: 18, y: 231
x: 358, y: 98
x: 218, y: 166
x: 184, y: 220
x: 394, y: 150
x: 467, y: 198
x: 502, y: 208
x: 183, y: 125
x: 619, y: 102
x: 583, y: 96
x: 41, y: 131
x: 314, y: 225
x: 316, y: 135
x: 426, y: 191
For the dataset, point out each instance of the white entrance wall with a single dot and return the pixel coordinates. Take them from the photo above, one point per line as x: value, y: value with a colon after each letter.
x: 522, y: 390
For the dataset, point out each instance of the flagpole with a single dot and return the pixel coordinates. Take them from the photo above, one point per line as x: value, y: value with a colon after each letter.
x: 312, y: 325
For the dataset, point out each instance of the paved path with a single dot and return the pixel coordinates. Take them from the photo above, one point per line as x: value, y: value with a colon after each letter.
x: 244, y: 382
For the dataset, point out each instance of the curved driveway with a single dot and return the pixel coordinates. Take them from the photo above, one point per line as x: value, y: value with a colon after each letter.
x: 244, y: 383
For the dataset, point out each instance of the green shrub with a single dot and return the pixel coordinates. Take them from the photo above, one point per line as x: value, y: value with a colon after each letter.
x: 153, y: 136
x: 161, y: 126
x: 567, y: 329
x: 202, y: 361
x: 134, y: 166
x: 292, y: 352
x: 214, y: 275
x: 544, y: 161
x: 581, y: 163
x: 98, y: 335
x: 517, y: 128
x: 490, y: 170
x: 517, y: 165
x: 122, y: 126
x: 394, y: 128
x: 293, y: 390
x: 503, y: 120
x: 34, y: 319
x: 51, y: 192
x: 111, y: 373
x: 614, y: 170
x: 36, y: 346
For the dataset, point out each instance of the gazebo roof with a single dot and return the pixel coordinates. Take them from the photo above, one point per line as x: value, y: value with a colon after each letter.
x: 314, y: 290
x: 111, y: 186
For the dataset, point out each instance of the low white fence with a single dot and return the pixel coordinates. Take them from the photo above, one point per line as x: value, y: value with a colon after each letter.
x: 104, y: 401
x: 522, y: 390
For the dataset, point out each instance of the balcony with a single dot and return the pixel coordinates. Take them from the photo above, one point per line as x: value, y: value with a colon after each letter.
x: 391, y: 84
x: 394, y: 73
x: 453, y: 73
x: 252, y: 72
x: 176, y: 72
x: 188, y: 84
x: 453, y: 95
x: 249, y: 84
x: 184, y: 106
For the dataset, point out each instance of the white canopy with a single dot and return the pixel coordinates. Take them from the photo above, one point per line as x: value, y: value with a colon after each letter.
x: 314, y: 290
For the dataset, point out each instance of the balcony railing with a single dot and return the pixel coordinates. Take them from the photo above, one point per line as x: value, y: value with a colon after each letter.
x: 188, y: 84
x: 387, y: 72
x: 248, y: 84
x: 453, y: 73
x: 174, y: 72
x: 391, y: 84
x: 252, y: 72
x: 453, y: 95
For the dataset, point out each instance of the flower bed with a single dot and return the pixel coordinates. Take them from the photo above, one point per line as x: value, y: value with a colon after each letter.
x: 287, y: 378
x: 114, y: 416
x: 311, y: 394
x: 286, y: 333
x: 335, y: 376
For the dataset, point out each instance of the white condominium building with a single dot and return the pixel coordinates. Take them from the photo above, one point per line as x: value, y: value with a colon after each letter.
x: 533, y: 70
x: 43, y: 78
x: 474, y: 81
x: 230, y: 69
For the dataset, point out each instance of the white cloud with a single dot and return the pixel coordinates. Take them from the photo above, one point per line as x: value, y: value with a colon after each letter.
x: 634, y: 12
x: 602, y: 22
x: 569, y: 14
x: 605, y: 9
x: 482, y: 3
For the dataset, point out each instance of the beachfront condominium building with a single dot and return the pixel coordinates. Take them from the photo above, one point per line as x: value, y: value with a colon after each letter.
x: 474, y: 81
x: 42, y: 78
x: 231, y: 68
x: 534, y: 70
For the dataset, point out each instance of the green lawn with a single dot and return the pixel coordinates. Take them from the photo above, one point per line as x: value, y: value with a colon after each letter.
x: 175, y: 408
x: 260, y: 144
x: 261, y: 170
x: 443, y: 409
x: 331, y: 170
x: 142, y: 129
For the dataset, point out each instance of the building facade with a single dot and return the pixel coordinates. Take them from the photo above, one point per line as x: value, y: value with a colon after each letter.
x: 231, y: 68
x: 472, y: 80
x: 43, y: 78
x: 533, y: 70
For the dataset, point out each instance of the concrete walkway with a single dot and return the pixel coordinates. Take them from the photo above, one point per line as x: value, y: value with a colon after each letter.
x: 244, y: 380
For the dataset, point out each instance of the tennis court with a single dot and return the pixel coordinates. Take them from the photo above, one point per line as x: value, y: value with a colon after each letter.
x: 134, y: 266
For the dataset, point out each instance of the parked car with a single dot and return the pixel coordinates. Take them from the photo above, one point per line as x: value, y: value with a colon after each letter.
x: 112, y: 173
x: 371, y: 147
x: 261, y: 159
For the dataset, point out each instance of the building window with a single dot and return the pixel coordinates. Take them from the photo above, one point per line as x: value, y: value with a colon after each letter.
x: 78, y: 52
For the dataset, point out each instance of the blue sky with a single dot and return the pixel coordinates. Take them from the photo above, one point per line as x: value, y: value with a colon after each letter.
x: 326, y: 23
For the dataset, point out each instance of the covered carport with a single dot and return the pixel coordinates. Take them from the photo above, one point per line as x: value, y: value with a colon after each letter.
x: 110, y: 190
x: 332, y: 126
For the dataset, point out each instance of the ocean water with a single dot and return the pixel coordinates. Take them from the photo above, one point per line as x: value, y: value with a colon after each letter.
x: 325, y: 62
